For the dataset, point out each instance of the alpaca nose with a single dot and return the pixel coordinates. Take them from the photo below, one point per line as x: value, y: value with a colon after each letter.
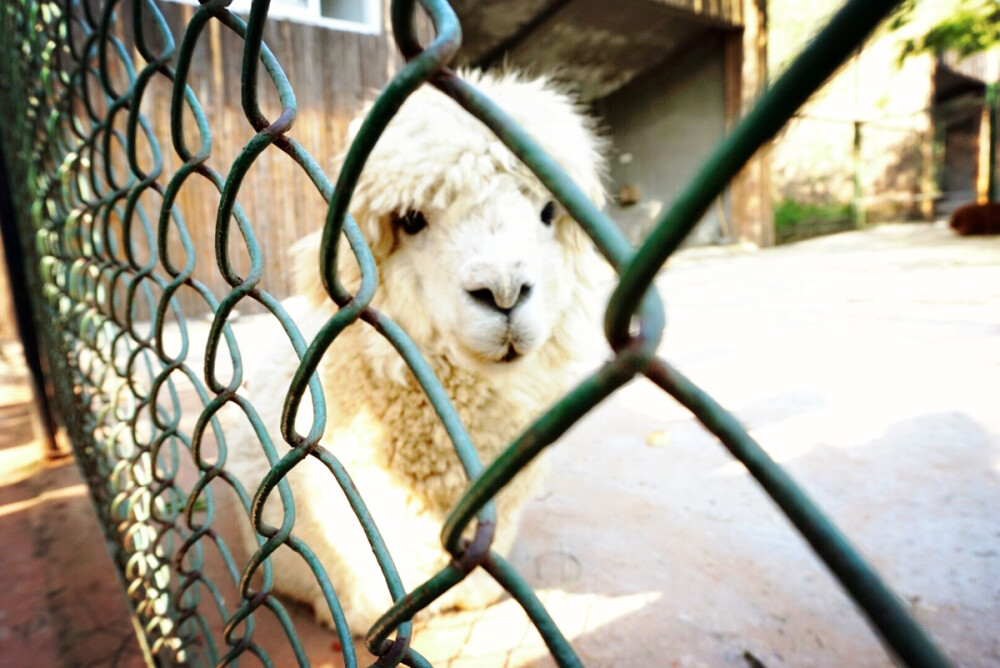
x: 498, y: 294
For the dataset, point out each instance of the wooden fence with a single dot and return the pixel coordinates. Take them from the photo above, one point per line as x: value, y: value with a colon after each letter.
x: 332, y: 72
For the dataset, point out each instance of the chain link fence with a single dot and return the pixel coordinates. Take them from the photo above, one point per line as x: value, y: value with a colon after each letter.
x: 95, y: 218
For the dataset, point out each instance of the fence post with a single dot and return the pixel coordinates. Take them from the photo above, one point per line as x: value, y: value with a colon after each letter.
x: 992, y: 102
x: 42, y: 417
x: 857, y: 210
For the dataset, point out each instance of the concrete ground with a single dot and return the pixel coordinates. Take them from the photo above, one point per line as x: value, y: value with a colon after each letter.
x: 62, y: 603
x: 867, y: 363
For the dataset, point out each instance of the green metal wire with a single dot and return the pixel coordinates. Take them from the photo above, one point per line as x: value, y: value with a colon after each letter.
x: 104, y: 286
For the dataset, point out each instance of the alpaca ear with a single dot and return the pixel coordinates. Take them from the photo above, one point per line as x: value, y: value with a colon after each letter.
x: 306, y: 279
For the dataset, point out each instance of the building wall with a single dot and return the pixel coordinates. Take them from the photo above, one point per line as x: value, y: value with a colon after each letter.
x: 959, y: 128
x: 814, y: 159
x: 662, y: 126
x: 667, y: 77
x: 752, y: 219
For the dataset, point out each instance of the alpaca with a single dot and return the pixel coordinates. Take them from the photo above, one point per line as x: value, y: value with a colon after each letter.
x: 495, y: 284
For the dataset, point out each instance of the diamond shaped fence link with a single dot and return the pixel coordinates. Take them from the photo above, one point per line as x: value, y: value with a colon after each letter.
x: 103, y: 285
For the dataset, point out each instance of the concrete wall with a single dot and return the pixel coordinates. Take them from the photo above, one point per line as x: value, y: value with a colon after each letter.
x: 813, y: 158
x: 663, y: 125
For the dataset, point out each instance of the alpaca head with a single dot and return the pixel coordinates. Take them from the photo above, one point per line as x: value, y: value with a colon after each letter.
x: 477, y: 260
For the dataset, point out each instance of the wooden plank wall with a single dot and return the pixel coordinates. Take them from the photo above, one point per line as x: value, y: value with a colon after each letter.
x: 332, y: 74
x: 730, y: 12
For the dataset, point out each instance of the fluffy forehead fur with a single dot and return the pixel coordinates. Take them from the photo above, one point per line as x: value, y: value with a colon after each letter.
x: 434, y: 151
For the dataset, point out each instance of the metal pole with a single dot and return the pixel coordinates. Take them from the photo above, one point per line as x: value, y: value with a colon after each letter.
x: 992, y: 102
x: 857, y: 211
x: 43, y: 416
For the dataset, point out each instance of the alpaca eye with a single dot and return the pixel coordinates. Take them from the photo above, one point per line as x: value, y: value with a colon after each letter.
x: 548, y: 213
x: 411, y: 221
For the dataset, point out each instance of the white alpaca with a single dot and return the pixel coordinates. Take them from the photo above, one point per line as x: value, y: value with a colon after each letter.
x: 493, y: 282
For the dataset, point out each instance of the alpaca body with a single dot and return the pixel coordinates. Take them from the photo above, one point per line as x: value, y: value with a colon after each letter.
x: 402, y: 462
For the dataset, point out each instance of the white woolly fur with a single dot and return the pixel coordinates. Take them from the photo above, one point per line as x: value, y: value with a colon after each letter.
x: 501, y: 363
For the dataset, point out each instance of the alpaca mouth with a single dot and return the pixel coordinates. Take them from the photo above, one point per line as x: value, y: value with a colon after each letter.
x: 511, y: 354
x: 500, y: 349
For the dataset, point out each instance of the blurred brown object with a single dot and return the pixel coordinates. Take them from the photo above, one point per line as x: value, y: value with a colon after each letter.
x: 628, y: 195
x: 976, y: 219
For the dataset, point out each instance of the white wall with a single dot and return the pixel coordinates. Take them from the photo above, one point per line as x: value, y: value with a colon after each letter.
x: 666, y: 123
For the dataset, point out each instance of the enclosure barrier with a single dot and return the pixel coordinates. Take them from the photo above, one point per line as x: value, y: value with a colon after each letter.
x: 98, y: 259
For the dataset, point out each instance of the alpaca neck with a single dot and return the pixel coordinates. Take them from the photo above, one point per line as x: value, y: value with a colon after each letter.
x: 411, y: 441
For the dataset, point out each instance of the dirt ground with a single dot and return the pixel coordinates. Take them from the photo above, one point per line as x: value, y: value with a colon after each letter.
x: 867, y: 363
